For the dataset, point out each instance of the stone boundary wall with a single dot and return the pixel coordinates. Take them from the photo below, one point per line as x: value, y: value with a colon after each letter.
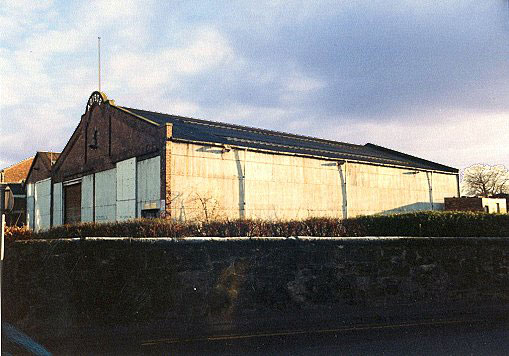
x: 200, y: 286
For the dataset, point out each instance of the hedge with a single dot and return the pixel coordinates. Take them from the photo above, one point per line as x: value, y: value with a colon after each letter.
x: 425, y: 223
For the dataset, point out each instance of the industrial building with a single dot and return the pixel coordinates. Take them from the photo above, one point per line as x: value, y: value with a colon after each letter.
x: 123, y: 163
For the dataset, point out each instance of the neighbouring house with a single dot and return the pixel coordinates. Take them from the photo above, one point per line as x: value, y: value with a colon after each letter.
x: 16, y: 173
x: 12, y: 179
x: 123, y: 163
x: 489, y: 205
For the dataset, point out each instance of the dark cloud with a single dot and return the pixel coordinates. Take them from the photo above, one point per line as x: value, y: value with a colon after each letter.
x: 378, y: 60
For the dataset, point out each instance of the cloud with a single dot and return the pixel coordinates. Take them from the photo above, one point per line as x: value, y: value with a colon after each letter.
x: 164, y: 71
x: 428, y: 78
x: 462, y: 140
x: 17, y: 17
x: 380, y: 60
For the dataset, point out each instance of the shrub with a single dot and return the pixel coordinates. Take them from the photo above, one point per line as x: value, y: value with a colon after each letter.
x: 424, y: 223
x: 17, y: 233
x: 434, y: 223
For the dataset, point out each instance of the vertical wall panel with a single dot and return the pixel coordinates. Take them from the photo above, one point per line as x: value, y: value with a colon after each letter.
x: 106, y: 196
x: 87, y: 198
x: 126, y: 189
x: 57, y: 204
x: 42, y: 204
x: 148, y: 178
x: 30, y: 205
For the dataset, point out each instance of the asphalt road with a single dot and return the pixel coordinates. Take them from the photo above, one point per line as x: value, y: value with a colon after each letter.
x: 446, y: 337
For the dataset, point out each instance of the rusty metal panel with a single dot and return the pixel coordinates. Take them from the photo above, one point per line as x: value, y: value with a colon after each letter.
x: 106, y: 195
x: 126, y: 189
x: 42, y: 204
x: 148, y: 184
x: 57, y: 204
x: 87, y: 198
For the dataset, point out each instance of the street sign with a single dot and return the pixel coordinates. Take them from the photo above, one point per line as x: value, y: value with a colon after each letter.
x: 9, y: 199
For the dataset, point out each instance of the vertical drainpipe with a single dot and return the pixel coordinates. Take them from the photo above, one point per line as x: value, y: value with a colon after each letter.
x: 51, y: 202
x: 346, y: 191
x: 458, y: 184
x: 93, y: 196
x: 342, y: 176
x: 431, y: 190
x: 244, y: 182
x: 136, y: 213
x: 165, y: 181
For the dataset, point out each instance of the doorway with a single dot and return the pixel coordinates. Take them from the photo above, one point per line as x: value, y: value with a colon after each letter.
x: 72, y: 203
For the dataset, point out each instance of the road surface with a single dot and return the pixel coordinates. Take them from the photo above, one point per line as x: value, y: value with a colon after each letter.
x: 445, y: 337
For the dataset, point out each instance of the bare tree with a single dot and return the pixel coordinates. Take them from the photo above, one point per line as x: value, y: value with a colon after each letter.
x: 485, y: 180
x: 209, y: 205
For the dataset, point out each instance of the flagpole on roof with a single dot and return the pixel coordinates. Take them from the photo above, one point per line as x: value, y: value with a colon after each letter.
x: 99, y: 60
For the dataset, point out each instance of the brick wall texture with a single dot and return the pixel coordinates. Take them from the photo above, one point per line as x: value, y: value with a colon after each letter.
x: 464, y: 204
x: 118, y: 136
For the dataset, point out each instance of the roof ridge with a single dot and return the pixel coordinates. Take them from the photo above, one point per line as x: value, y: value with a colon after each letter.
x: 315, y: 149
x: 12, y: 165
x: 409, y: 156
x: 251, y: 128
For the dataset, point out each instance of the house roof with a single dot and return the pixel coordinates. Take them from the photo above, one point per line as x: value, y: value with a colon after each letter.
x: 186, y: 128
x: 16, y: 172
x: 17, y: 163
x: 47, y: 159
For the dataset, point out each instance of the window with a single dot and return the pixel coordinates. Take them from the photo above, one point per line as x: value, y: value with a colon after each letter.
x: 486, y: 208
x: 150, y: 213
x: 498, y: 207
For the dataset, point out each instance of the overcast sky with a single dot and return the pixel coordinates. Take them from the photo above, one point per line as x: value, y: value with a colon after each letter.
x: 429, y: 78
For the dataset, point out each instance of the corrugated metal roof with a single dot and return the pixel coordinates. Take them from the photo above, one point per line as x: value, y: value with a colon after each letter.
x: 222, y: 133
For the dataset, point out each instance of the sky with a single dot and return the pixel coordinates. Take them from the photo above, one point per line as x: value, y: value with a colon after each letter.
x: 429, y: 78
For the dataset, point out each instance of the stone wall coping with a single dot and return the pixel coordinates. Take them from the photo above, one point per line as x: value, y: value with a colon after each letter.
x: 198, y: 239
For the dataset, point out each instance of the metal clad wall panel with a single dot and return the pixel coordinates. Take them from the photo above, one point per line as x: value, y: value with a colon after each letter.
x: 148, y: 184
x: 87, y: 198
x: 42, y: 204
x: 57, y: 204
x: 30, y: 205
x: 126, y: 189
x: 106, y: 195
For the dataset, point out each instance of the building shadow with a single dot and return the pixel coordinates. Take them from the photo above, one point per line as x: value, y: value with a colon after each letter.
x: 418, y: 206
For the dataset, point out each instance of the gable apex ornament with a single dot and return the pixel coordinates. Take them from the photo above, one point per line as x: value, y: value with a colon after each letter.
x: 97, y: 98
